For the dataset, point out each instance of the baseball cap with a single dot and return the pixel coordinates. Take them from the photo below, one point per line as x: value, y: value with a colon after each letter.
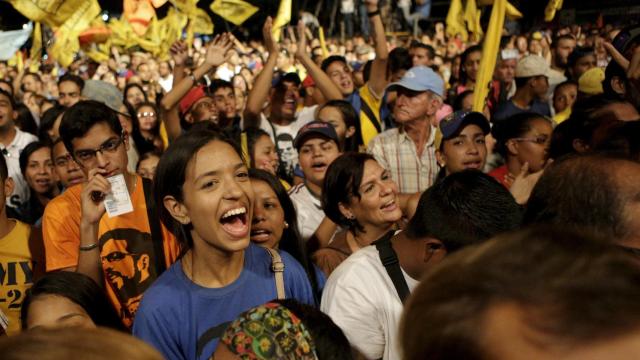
x: 317, y: 128
x: 420, y: 78
x: 192, y: 96
x: 591, y: 81
x: 452, y: 124
x: 532, y: 65
x: 103, y: 92
x: 288, y: 77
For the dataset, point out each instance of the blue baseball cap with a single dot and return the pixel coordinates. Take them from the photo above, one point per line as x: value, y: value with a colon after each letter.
x: 451, y: 125
x: 315, y: 128
x: 420, y: 78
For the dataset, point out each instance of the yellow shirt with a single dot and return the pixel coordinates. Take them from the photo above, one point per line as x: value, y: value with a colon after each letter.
x: 16, y: 273
x: 367, y: 128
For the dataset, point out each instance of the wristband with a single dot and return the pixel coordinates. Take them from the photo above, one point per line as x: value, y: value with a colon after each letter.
x: 373, y: 13
x: 88, y: 247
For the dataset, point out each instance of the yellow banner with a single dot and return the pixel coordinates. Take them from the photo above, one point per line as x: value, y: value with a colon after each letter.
x: 54, y: 13
x: 66, y: 44
x: 489, y: 54
x: 139, y: 14
x: 160, y: 35
x: 234, y: 11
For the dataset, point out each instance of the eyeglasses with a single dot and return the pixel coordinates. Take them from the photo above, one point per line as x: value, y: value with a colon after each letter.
x: 146, y: 114
x: 87, y: 157
x: 540, y: 140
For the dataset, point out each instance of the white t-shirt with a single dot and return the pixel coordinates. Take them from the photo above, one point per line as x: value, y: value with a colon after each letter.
x: 283, y: 135
x: 166, y: 83
x: 360, y: 298
x: 12, y: 156
x: 308, y: 209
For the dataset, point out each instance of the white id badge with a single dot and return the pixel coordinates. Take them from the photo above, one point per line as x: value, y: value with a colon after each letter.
x: 118, y: 201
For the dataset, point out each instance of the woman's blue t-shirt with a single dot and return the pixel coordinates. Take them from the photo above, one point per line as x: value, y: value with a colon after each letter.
x: 185, y: 321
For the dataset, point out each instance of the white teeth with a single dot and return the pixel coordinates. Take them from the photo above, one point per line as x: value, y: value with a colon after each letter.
x: 233, y: 212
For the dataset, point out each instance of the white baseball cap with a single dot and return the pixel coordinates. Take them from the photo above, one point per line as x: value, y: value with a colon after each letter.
x: 532, y: 65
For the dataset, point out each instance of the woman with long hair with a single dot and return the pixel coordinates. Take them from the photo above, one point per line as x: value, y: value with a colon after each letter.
x: 204, y: 195
x: 275, y: 224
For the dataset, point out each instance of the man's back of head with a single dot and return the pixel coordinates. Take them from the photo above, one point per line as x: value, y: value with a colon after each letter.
x: 589, y: 192
x: 464, y: 208
x: 541, y: 293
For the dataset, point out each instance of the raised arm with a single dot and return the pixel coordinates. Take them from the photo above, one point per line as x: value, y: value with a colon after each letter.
x: 378, y: 78
x: 322, y: 80
x: 217, y: 54
x: 262, y: 84
x: 171, y: 117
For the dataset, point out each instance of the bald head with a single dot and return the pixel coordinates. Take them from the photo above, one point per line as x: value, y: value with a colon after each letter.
x: 590, y: 192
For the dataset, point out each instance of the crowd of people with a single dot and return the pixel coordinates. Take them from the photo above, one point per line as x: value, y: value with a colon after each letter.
x: 296, y: 199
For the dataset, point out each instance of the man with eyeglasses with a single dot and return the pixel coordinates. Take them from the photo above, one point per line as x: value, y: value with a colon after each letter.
x: 532, y: 84
x: 75, y: 228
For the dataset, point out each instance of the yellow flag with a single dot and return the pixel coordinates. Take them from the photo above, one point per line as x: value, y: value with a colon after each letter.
x: 472, y: 18
x: 234, y: 11
x: 51, y: 12
x: 36, y: 47
x: 550, y: 10
x: 323, y: 43
x: 455, y: 20
x: 160, y: 35
x: 66, y: 44
x: 490, y: 49
x: 201, y: 22
x: 510, y: 10
x: 282, y: 18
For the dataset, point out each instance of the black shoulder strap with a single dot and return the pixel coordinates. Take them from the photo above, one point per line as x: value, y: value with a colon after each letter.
x: 372, y: 117
x: 392, y: 265
x: 154, y: 225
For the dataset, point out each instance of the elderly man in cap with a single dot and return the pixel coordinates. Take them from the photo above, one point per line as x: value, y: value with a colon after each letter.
x: 408, y: 151
x: 532, y: 84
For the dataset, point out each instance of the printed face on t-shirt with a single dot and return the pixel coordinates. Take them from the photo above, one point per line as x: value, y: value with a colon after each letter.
x: 284, y: 142
x: 128, y: 261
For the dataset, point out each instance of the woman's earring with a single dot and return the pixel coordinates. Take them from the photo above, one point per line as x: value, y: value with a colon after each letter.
x: 286, y: 225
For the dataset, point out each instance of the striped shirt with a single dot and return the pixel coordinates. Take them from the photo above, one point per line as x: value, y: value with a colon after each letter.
x: 395, y: 151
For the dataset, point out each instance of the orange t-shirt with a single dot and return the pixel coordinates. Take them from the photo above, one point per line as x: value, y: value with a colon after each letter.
x: 126, y: 247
